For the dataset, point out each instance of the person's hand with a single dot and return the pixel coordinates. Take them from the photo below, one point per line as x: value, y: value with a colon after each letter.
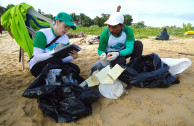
x: 112, y: 56
x: 103, y: 56
x: 74, y: 54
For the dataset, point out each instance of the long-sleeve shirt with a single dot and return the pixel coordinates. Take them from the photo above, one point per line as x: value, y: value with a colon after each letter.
x: 41, y: 52
x: 106, y: 42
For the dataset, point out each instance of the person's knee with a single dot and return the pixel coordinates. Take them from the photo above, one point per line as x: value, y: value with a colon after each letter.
x: 138, y: 46
x: 138, y: 43
x: 120, y: 61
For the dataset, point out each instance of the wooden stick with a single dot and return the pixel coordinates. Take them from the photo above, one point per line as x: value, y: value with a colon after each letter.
x: 118, y: 8
x: 23, y: 64
x: 182, y: 53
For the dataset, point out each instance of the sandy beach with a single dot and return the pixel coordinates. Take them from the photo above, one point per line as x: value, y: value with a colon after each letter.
x: 173, y: 106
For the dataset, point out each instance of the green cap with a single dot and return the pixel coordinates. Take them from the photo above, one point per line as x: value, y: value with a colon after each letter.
x: 66, y: 18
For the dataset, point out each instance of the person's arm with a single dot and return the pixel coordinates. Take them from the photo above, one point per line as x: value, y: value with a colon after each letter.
x: 103, y: 42
x: 72, y: 56
x: 129, y: 42
x: 68, y: 59
x: 39, y: 47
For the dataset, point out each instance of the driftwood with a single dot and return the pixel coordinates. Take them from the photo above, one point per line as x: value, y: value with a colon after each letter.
x: 182, y: 53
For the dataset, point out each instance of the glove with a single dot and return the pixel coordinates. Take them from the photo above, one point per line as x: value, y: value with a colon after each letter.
x: 103, y: 56
x: 112, y: 56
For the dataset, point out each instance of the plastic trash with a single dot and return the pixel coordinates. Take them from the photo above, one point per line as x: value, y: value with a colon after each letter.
x: 66, y: 102
x: 51, y: 77
x: 148, y: 71
x: 177, y: 66
x: 163, y: 35
x: 112, y: 91
x: 99, y: 65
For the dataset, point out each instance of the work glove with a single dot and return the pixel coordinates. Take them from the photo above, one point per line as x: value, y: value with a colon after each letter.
x: 103, y: 56
x: 112, y: 56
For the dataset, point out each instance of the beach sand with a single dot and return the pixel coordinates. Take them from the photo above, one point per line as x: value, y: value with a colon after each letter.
x: 173, y: 106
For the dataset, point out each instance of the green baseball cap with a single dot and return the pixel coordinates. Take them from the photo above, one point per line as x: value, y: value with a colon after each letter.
x: 66, y: 18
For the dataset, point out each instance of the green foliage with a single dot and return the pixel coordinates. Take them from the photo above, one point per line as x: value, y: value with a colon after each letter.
x: 139, y: 33
x: 82, y: 19
x: 95, y: 26
x: 104, y: 17
x: 98, y: 21
x: 92, y: 30
x: 187, y: 26
x: 2, y: 10
x: 46, y: 15
x: 8, y: 6
x: 86, y: 21
x: 128, y: 19
x: 138, y: 25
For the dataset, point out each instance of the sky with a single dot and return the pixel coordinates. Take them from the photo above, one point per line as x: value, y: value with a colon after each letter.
x: 156, y: 13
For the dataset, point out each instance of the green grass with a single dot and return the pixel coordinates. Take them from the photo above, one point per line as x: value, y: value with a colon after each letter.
x: 88, y: 30
x: 138, y: 33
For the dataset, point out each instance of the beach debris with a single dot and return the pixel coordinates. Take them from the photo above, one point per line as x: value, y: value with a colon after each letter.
x: 108, y: 75
x: 107, y: 79
x: 177, y: 66
x: 66, y: 102
x: 179, y: 98
x: 189, y: 33
x: 75, y: 35
x: 99, y: 65
x: 112, y: 91
x: 163, y: 35
x: 92, y: 81
x: 51, y: 77
x: 148, y: 71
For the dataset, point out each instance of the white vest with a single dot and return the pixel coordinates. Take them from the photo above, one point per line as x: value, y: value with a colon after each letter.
x: 50, y: 36
x: 116, y: 43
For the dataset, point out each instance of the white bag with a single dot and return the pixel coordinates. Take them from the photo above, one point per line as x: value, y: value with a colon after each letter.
x: 112, y: 91
x: 177, y: 65
x: 51, y: 77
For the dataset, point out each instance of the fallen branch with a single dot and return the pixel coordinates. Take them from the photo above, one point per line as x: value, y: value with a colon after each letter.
x: 182, y: 53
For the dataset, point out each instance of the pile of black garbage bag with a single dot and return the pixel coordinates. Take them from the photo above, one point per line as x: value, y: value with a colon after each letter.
x: 148, y: 71
x: 62, y: 103
x: 163, y: 35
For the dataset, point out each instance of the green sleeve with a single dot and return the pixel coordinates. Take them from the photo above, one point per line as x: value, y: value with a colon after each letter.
x: 129, y: 42
x: 40, y: 40
x: 103, y: 41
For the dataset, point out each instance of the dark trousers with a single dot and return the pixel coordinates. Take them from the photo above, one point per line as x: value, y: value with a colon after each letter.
x: 38, y: 67
x: 137, y: 51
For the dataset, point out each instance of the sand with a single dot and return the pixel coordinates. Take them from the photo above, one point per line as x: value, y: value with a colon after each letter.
x: 173, y: 106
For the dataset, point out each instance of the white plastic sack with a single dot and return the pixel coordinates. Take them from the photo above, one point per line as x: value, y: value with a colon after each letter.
x: 51, y: 77
x: 112, y: 91
x: 177, y: 65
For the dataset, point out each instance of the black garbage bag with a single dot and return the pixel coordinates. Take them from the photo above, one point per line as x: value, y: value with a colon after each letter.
x: 38, y: 88
x: 68, y: 103
x: 148, y: 71
x: 62, y: 103
x: 163, y: 35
